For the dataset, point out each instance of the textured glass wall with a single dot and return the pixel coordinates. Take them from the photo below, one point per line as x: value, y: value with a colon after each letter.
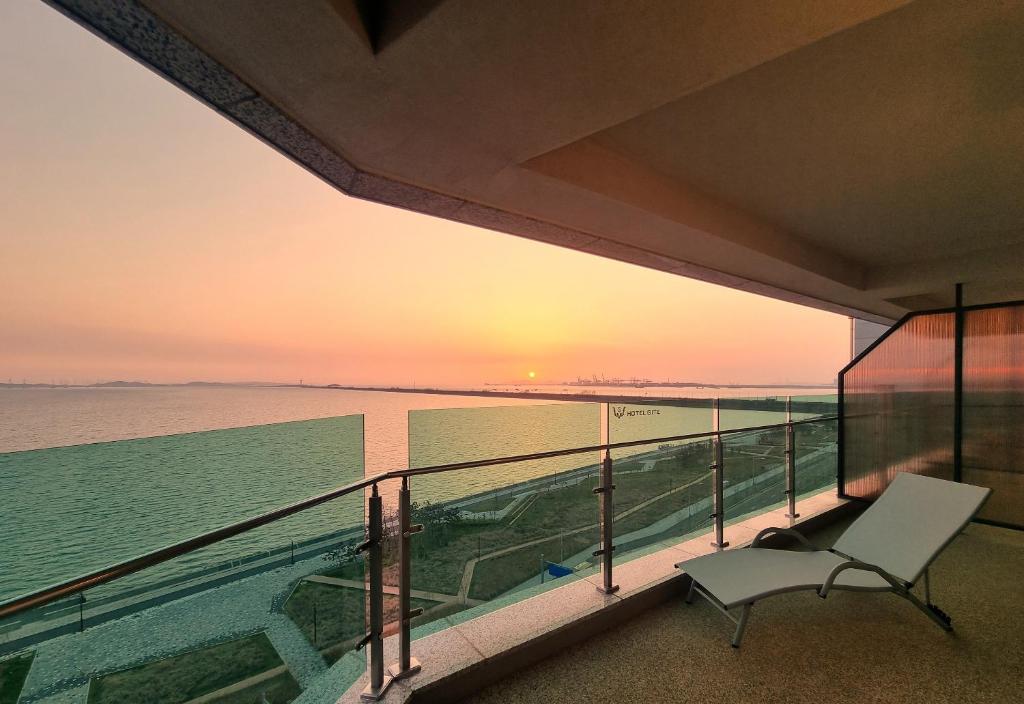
x: 898, y: 407
x: 993, y: 409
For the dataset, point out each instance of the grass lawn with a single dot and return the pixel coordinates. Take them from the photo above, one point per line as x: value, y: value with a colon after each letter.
x: 193, y: 674
x: 278, y: 690
x: 497, y: 575
x: 340, y: 613
x: 441, y: 553
x: 13, y: 672
x: 661, y: 504
x: 561, y: 510
x: 354, y: 569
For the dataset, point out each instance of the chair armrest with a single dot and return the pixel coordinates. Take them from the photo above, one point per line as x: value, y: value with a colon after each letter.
x: 858, y: 565
x: 784, y: 531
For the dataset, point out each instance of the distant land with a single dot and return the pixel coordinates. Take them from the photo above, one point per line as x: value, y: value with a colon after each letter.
x: 645, y: 383
x: 587, y: 396
x: 513, y: 392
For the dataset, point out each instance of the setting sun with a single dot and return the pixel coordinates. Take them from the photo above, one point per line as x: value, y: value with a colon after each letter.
x: 532, y: 375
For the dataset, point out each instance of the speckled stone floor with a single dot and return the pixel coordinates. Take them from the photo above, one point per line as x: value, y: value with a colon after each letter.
x: 797, y: 648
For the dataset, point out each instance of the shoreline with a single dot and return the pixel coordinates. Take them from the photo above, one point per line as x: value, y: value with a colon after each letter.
x: 757, y: 404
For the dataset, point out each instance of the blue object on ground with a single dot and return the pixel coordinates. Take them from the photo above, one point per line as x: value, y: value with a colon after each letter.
x: 556, y: 570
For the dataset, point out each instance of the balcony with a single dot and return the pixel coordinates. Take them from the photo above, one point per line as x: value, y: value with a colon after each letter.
x: 472, y: 575
x: 851, y: 648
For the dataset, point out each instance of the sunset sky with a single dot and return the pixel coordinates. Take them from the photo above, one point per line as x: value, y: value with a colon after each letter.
x: 145, y: 237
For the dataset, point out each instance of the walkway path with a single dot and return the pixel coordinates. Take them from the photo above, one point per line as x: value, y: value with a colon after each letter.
x: 63, y: 665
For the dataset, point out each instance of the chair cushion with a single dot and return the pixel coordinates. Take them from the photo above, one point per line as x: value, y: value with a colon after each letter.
x: 913, y: 520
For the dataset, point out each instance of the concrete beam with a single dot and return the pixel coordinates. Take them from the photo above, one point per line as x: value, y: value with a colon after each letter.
x: 594, y: 166
x: 996, y: 268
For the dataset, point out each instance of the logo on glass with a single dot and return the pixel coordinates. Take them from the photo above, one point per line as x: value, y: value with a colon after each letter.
x: 621, y: 411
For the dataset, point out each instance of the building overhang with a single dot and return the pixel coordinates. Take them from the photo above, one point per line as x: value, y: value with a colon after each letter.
x: 860, y: 158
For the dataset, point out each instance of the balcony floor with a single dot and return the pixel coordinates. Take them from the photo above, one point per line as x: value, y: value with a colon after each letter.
x: 854, y: 647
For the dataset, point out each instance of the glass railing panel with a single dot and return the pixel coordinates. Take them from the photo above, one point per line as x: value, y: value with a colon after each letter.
x: 260, y: 614
x: 113, y: 501
x: 449, y: 435
x: 662, y: 496
x: 748, y: 412
x: 817, y: 457
x: 754, y: 472
x: 815, y: 405
x: 662, y: 489
x: 505, y: 542
x: 493, y: 535
x: 262, y: 627
x: 652, y: 421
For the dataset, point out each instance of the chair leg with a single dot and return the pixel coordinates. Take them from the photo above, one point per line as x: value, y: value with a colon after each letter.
x: 940, y: 617
x: 741, y: 622
x: 741, y: 625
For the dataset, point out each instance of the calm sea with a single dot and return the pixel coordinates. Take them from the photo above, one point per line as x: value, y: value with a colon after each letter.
x: 90, y: 477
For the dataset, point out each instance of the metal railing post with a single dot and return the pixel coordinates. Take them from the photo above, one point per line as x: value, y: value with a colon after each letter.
x: 606, y: 511
x: 958, y: 386
x: 840, y: 441
x: 717, y: 477
x: 790, y: 460
x: 379, y: 682
x: 406, y: 665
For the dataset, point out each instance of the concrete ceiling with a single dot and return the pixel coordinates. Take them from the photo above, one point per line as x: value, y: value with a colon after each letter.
x: 860, y: 157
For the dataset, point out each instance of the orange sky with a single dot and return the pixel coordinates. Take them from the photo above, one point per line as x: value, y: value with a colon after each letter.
x: 144, y: 237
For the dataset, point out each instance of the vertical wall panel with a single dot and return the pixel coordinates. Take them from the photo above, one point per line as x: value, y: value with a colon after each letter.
x: 993, y: 409
x: 898, y: 407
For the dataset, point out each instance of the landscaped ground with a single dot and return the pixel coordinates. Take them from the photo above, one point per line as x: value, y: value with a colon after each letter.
x: 13, y: 672
x: 333, y: 618
x: 340, y: 614
x: 491, y: 503
x: 200, y: 672
x: 278, y: 690
x: 554, y: 525
x: 478, y: 560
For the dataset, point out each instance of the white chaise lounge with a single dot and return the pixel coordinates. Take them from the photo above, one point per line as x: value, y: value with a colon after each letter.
x: 888, y: 548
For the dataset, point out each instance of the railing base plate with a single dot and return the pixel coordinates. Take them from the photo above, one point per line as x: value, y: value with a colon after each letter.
x: 369, y: 694
x: 608, y: 590
x: 397, y: 673
x: 720, y: 545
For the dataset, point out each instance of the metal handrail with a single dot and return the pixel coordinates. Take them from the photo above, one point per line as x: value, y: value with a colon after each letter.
x: 591, y: 448
x: 121, y: 569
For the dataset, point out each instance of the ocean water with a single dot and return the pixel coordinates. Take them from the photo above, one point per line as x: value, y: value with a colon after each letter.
x: 90, y: 477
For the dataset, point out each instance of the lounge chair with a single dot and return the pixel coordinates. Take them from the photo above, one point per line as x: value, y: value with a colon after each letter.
x: 888, y: 548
